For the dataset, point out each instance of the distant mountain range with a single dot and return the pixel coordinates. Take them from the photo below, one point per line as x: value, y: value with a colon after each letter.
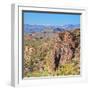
x: 49, y: 28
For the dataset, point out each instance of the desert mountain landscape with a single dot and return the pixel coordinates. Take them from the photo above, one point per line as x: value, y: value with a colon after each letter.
x: 51, y: 50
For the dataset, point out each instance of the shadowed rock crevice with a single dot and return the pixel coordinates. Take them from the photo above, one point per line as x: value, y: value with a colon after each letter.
x: 56, y: 60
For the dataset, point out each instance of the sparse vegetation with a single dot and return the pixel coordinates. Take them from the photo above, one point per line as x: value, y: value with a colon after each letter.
x: 40, y: 53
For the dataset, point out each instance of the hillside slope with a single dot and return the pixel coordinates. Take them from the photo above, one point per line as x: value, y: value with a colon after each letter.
x: 59, y: 55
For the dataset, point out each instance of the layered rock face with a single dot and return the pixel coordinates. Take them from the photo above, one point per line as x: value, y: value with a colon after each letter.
x: 66, y: 47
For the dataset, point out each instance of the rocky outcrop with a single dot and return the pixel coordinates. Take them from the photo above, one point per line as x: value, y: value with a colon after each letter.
x: 66, y: 47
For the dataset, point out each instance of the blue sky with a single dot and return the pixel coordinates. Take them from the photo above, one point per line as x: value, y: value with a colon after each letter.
x: 50, y: 18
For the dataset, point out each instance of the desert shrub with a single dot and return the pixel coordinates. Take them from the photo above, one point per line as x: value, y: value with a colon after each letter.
x: 69, y: 69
